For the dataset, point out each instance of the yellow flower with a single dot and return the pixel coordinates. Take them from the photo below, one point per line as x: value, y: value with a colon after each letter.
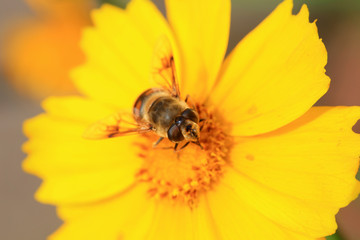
x: 39, y: 52
x: 272, y: 167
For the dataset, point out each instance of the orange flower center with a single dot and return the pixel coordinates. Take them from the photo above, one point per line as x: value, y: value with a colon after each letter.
x: 184, y: 174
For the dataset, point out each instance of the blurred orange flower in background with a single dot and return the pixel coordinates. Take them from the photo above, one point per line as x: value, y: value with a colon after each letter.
x: 39, y: 51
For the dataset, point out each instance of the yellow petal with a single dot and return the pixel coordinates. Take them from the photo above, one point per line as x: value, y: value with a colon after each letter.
x: 178, y: 221
x: 300, y: 175
x: 133, y: 216
x: 130, y: 212
x: 234, y: 219
x: 116, y: 73
x: 117, y: 31
x: 201, y: 29
x: 75, y: 169
x: 274, y: 75
x: 149, y: 20
x: 84, y: 187
x: 77, y: 109
x: 103, y: 87
x: 107, y: 77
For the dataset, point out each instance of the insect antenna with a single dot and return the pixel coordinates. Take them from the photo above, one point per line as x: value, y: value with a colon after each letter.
x: 158, y: 141
x: 198, y: 143
x: 185, y: 145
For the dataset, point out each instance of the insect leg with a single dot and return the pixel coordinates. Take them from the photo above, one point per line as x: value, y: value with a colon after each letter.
x: 157, y: 142
x: 175, y: 147
x: 202, y: 120
x: 185, y: 145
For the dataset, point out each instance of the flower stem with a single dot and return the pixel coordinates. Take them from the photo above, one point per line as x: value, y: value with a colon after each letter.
x: 335, y: 236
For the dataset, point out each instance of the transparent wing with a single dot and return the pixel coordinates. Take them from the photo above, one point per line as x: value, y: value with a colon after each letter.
x: 163, y: 67
x: 116, y: 125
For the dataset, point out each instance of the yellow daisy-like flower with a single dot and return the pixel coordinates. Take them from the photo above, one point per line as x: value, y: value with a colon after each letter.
x: 40, y: 51
x: 272, y: 166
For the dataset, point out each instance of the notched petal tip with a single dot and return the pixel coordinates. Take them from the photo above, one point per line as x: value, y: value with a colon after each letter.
x: 30, y: 167
x: 49, y: 101
x: 283, y: 52
x: 28, y: 128
x: 317, y: 162
x: 304, y: 12
x: 200, y: 27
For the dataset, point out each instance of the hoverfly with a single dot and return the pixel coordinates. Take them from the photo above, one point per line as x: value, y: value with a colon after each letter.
x: 160, y: 110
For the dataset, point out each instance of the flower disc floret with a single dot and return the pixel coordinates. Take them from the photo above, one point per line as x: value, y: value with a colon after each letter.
x: 183, y: 174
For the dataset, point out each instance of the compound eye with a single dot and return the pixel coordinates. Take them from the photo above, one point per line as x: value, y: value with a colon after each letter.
x: 179, y: 120
x: 190, y: 114
x: 174, y: 134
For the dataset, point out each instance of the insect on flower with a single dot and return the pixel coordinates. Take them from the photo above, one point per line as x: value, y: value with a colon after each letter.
x: 269, y: 158
x: 157, y: 109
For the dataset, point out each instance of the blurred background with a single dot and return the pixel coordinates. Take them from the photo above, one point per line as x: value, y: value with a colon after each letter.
x: 38, y: 45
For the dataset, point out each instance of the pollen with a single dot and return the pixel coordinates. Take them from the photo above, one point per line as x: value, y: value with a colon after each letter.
x: 184, y: 174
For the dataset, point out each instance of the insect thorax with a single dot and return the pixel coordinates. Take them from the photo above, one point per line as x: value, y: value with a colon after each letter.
x: 164, y: 110
x: 159, y: 108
